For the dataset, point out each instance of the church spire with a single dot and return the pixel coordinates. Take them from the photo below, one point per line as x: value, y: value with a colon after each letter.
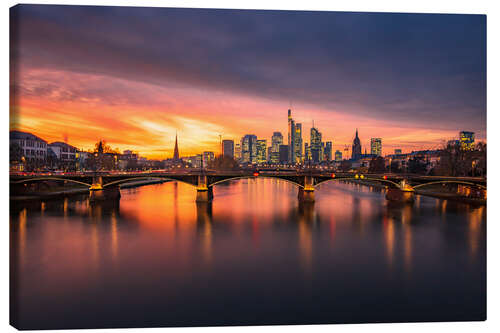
x: 176, y: 149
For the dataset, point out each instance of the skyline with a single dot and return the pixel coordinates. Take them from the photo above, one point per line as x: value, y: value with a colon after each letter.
x: 415, y: 82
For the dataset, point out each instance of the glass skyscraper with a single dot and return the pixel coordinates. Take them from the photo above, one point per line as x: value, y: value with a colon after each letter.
x: 315, y: 146
x: 376, y: 146
x: 249, y: 149
x: 261, y: 157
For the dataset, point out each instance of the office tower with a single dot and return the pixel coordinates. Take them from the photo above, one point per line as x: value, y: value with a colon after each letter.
x: 328, y: 151
x: 315, y: 146
x: 356, y: 147
x: 249, y: 149
x: 338, y: 156
x: 261, y: 151
x: 284, y: 154
x: 398, y: 151
x: 376, y: 146
x: 228, y: 148
x: 466, y: 140
x: 276, y: 142
x: 237, y: 152
x: 307, y: 153
x: 291, y: 137
x: 297, y: 142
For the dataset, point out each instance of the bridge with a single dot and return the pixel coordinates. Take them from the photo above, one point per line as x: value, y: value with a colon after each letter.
x: 106, y: 185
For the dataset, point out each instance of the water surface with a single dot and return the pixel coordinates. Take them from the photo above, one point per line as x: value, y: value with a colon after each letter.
x: 253, y: 256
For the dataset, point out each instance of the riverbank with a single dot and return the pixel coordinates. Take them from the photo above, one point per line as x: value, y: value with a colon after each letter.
x: 62, y: 193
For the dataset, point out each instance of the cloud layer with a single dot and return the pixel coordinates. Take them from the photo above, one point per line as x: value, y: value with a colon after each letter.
x: 408, y: 72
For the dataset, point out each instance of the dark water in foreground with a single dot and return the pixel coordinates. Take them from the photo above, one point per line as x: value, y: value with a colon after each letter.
x: 253, y: 257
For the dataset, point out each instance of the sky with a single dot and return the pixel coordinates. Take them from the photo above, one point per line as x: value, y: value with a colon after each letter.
x: 135, y: 77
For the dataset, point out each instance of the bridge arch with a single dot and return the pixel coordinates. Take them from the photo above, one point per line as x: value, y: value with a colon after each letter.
x: 251, y: 177
x: 41, y: 179
x: 126, y: 180
x: 452, y: 182
x: 353, y: 178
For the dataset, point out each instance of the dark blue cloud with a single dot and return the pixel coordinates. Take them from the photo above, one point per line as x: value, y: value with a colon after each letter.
x: 421, y: 68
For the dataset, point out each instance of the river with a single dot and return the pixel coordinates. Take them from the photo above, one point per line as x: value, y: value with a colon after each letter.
x: 253, y: 256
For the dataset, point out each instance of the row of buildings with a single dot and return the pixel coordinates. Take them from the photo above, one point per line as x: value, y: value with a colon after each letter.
x: 29, y: 152
x: 251, y: 150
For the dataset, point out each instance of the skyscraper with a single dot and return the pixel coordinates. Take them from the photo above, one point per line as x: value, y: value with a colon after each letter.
x: 307, y: 152
x: 249, y: 149
x: 237, y: 152
x: 315, y: 146
x: 328, y: 151
x: 376, y: 146
x: 466, y: 140
x: 297, y: 144
x: 291, y: 137
x: 261, y: 157
x: 276, y: 141
x: 356, y: 147
x: 228, y: 148
x: 176, y: 150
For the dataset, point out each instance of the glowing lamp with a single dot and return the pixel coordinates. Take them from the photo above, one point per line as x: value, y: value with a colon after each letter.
x: 385, y: 177
x: 255, y: 174
x: 333, y: 175
x: 357, y: 176
x: 362, y: 176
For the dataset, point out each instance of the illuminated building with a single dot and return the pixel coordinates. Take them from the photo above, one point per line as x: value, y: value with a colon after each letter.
x: 338, y: 156
x: 315, y: 146
x: 356, y: 147
x: 307, y: 152
x: 34, y: 149
x: 261, y: 151
x: 208, y: 156
x: 249, y: 149
x: 237, y: 152
x: 291, y: 137
x: 297, y: 144
x: 466, y: 140
x: 376, y: 146
x: 276, y: 142
x: 228, y: 148
x: 328, y: 151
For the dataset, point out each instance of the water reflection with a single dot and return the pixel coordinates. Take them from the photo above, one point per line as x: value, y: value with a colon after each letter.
x: 157, y: 248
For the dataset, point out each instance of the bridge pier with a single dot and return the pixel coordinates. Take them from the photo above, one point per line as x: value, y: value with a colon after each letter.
x: 203, y: 192
x: 306, y: 193
x: 404, y: 194
x: 204, y: 195
x: 397, y: 195
x: 106, y: 193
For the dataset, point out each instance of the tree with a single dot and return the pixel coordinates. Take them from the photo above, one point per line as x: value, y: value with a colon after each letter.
x: 377, y: 165
x: 455, y: 161
x: 105, y: 148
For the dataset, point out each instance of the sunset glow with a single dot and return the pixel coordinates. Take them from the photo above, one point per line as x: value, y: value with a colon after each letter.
x: 87, y: 91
